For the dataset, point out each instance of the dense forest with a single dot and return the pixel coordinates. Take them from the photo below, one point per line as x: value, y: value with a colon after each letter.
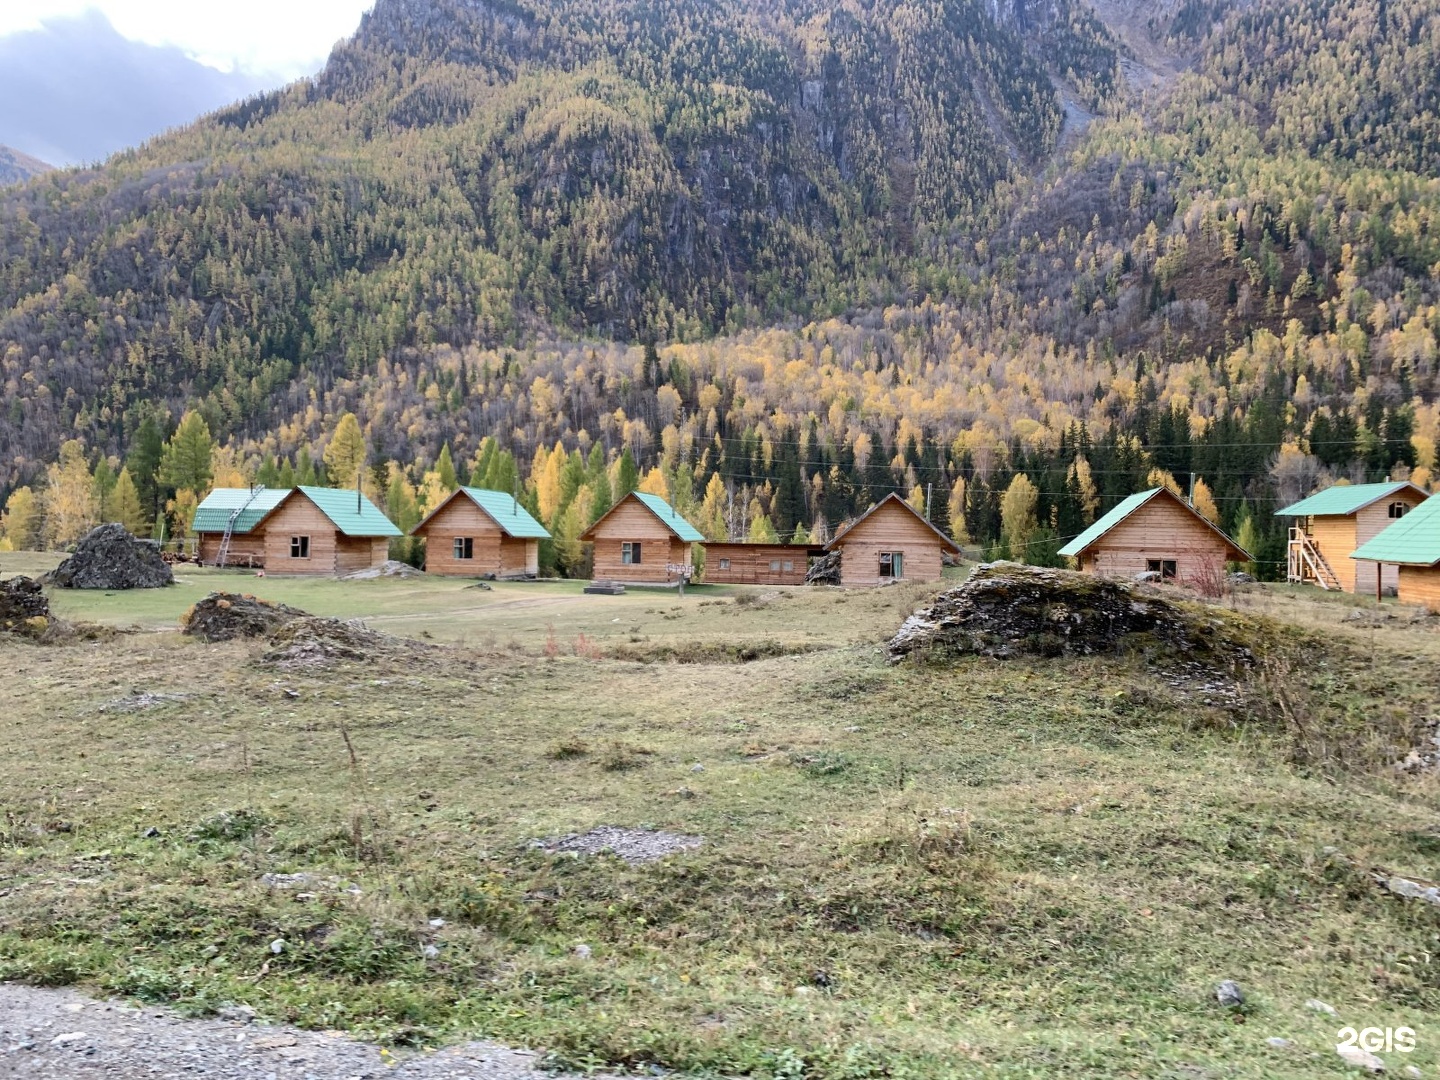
x: 773, y: 261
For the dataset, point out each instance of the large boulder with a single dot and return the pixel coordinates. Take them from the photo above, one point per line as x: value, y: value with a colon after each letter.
x: 110, y: 558
x: 1006, y: 609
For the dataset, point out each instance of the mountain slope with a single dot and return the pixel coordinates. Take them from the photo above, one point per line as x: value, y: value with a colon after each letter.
x: 1206, y: 279
x: 15, y: 167
x: 76, y: 91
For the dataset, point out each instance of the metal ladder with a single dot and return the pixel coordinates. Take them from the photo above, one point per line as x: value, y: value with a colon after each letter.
x: 230, y: 525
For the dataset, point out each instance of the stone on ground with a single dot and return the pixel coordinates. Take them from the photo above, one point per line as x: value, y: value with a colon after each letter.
x: 108, y: 557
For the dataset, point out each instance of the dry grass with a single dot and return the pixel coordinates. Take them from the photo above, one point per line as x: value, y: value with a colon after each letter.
x: 1015, y: 869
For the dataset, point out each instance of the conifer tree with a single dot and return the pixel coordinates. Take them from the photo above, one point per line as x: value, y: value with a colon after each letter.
x: 124, y: 505
x: 627, y: 475
x: 445, y: 468
x: 346, y: 453
x: 185, y: 462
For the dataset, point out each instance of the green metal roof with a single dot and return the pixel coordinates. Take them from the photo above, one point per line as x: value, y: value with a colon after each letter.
x: 671, y: 517
x: 352, y: 514
x: 1121, y: 511
x: 213, y: 515
x: 508, y: 513
x: 1414, y: 539
x: 1342, y: 499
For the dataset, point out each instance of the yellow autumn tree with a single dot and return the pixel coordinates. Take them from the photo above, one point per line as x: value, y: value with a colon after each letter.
x: 1018, y: 523
x: 655, y: 483
x: 24, y: 520
x: 1161, y: 478
x: 713, y: 520
x: 226, y: 468
x: 123, y: 505
x: 957, y: 512
x: 1205, y: 503
x: 71, y: 503
x: 345, y: 453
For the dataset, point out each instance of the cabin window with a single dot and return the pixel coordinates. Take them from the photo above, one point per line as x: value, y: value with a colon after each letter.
x: 1166, y: 568
x: 724, y: 564
x: 789, y: 565
x: 892, y: 564
x: 299, y: 547
x: 1398, y: 509
x: 774, y: 566
x: 630, y: 553
x: 464, y: 547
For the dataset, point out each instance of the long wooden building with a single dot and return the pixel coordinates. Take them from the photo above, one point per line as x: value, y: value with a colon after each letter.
x: 639, y: 540
x: 1155, y: 532
x: 1410, y: 546
x: 301, y: 531
x: 479, y: 533
x: 758, y: 564
x: 888, y: 543
x: 1333, y: 523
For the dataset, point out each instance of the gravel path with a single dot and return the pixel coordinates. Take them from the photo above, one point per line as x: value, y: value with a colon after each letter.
x: 63, y: 1035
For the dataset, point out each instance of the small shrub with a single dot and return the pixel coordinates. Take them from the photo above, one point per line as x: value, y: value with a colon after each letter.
x: 825, y: 763
x: 230, y: 825
x: 621, y: 756
x: 567, y: 749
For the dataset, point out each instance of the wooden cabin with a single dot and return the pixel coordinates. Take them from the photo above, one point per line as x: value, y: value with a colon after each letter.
x: 479, y: 533
x: 1156, y: 532
x: 759, y: 564
x: 306, y: 530
x: 237, y: 511
x: 1333, y: 523
x: 1410, y: 546
x: 640, y: 539
x: 890, y: 542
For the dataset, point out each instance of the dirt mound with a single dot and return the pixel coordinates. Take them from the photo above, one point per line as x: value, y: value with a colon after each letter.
x: 1005, y: 610
x: 24, y: 607
x: 110, y: 558
x: 385, y: 569
x: 312, y: 642
x: 227, y: 616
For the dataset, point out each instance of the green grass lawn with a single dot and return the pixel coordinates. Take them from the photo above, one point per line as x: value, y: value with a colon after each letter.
x: 1012, y: 869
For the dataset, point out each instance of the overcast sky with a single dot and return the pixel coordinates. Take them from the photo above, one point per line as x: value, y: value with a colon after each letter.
x: 284, y: 38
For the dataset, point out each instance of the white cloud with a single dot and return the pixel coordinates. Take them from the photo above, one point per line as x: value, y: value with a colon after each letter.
x: 287, y: 38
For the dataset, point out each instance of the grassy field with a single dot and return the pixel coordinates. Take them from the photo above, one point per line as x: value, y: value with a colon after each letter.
x: 1011, y: 869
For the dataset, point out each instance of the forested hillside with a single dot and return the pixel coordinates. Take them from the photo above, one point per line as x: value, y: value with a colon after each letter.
x: 16, y: 167
x: 814, y: 250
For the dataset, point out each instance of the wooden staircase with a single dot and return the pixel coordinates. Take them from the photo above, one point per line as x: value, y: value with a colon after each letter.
x: 1306, y: 565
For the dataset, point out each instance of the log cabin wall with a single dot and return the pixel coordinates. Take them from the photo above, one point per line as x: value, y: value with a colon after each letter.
x: 246, y: 549
x: 890, y: 528
x: 1420, y: 585
x: 757, y: 564
x: 461, y: 519
x: 354, y: 553
x: 298, y: 516
x: 1335, y: 537
x: 1163, y: 530
x: 1370, y: 522
x: 633, y: 522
